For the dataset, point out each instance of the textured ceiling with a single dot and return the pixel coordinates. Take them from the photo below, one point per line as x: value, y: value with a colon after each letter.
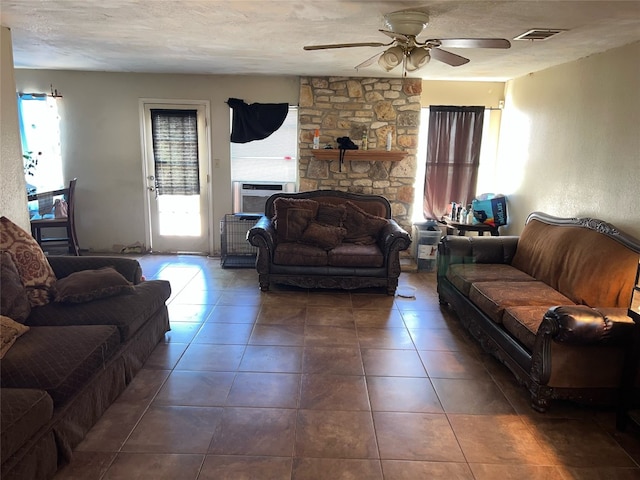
x: 267, y: 36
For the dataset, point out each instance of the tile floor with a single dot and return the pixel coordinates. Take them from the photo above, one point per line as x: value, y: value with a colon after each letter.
x: 296, y: 384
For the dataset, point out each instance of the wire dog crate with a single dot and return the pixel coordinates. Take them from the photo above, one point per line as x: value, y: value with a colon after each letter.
x: 235, y: 250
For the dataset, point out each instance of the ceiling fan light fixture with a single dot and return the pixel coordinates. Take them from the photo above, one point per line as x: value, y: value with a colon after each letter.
x: 391, y: 58
x: 418, y: 57
x: 406, y: 22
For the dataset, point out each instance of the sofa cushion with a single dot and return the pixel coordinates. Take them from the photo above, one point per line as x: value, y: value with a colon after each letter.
x: 463, y: 275
x: 299, y: 254
x: 362, y: 227
x: 352, y: 255
x: 9, y: 333
x: 127, y: 312
x: 330, y: 214
x: 23, y: 411
x: 59, y: 360
x: 323, y: 236
x: 13, y: 296
x: 587, y: 266
x: 523, y: 323
x: 493, y: 297
x: 292, y: 215
x: 88, y: 285
x: 35, y: 272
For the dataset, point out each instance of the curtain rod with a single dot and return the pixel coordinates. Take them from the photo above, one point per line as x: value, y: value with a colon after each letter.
x: 54, y: 94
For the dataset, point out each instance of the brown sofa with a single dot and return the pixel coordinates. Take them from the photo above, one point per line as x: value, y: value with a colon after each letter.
x: 551, y: 304
x: 328, y: 239
x: 59, y: 377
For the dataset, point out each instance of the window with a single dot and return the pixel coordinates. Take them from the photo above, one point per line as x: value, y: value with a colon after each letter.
x: 273, y: 159
x: 175, y: 151
x: 488, y: 153
x: 40, y: 134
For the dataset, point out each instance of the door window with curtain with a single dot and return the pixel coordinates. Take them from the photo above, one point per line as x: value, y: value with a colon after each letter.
x: 175, y: 150
x: 177, y: 181
x: 453, y: 157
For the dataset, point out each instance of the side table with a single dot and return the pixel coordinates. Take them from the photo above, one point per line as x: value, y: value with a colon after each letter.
x: 463, y: 228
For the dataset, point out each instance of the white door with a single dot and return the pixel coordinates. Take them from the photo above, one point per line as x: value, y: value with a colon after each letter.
x: 176, y: 168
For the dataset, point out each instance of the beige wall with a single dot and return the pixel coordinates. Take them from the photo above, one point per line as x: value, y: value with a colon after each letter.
x: 13, y: 197
x: 101, y: 144
x: 436, y: 92
x: 570, y: 141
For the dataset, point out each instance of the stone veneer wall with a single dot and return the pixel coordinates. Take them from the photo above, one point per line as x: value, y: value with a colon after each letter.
x: 346, y: 106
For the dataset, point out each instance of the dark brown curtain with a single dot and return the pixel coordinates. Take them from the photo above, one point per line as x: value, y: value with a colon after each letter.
x: 453, y: 156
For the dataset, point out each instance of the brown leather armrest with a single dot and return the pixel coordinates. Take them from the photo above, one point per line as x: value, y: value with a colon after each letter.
x: 263, y: 234
x: 393, y: 237
x: 583, y: 325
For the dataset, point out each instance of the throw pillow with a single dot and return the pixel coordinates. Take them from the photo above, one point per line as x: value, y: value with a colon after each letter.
x: 9, y: 333
x: 13, y: 296
x: 35, y: 272
x: 362, y: 227
x: 329, y: 214
x: 87, y: 285
x: 323, y: 236
x: 292, y: 215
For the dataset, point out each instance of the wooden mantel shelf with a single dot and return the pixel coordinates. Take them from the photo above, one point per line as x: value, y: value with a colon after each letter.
x: 359, y: 155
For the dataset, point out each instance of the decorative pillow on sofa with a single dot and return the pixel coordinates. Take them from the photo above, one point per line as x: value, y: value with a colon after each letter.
x: 329, y: 214
x: 35, y: 272
x: 9, y: 333
x: 362, y: 227
x: 13, y: 296
x: 323, y: 236
x: 87, y: 285
x: 292, y: 217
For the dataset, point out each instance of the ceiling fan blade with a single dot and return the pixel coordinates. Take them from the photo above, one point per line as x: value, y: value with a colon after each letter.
x: 395, y: 36
x: 448, y: 57
x: 475, y: 43
x: 368, y: 61
x: 345, y: 45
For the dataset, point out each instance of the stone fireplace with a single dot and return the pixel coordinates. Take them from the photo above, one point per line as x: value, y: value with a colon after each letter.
x: 353, y: 107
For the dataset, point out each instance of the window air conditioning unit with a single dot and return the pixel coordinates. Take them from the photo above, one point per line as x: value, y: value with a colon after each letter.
x: 251, y: 197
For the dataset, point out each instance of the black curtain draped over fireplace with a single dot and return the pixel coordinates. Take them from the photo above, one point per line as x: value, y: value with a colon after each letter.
x: 255, y: 121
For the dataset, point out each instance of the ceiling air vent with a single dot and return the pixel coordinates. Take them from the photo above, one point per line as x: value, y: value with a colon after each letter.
x: 538, y: 34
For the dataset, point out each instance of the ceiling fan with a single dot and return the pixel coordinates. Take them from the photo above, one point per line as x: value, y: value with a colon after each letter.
x: 406, y: 50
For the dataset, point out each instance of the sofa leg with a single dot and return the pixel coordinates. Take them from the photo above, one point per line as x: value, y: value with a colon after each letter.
x: 540, y: 399
x: 263, y: 280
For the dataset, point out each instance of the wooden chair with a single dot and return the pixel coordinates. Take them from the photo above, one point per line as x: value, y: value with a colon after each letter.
x: 46, y: 217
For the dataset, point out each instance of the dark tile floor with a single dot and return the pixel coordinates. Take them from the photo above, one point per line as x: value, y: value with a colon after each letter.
x: 296, y: 384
